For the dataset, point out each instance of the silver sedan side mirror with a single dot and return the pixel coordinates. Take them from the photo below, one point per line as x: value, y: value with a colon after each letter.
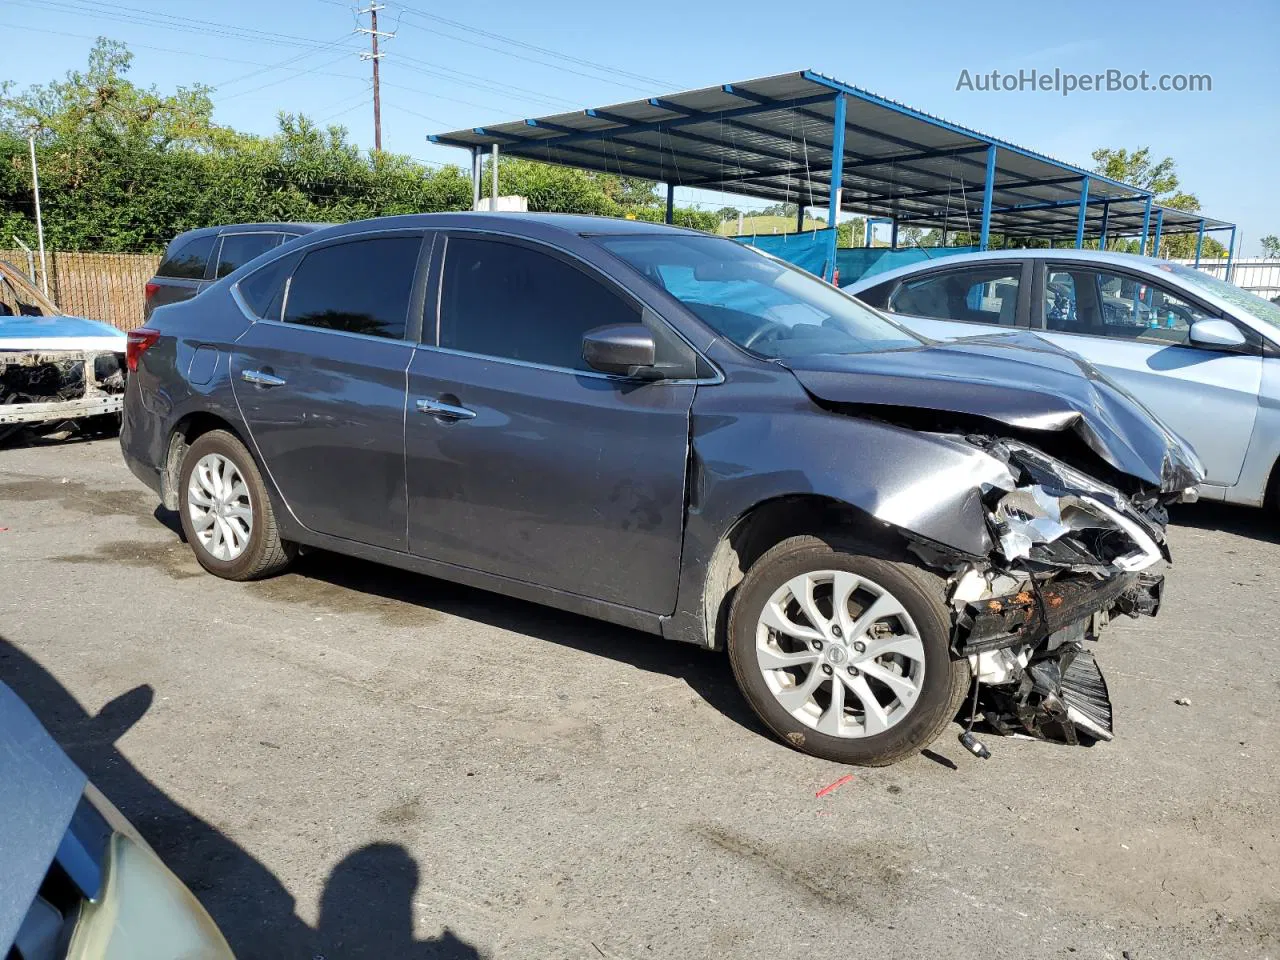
x: 1215, y: 333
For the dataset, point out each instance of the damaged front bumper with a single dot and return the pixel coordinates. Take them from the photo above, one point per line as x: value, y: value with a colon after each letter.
x: 1070, y: 554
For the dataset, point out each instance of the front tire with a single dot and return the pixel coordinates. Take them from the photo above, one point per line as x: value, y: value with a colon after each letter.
x: 843, y: 650
x: 226, y: 513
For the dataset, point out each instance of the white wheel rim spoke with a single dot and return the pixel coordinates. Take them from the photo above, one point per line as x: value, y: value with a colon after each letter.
x: 840, y: 653
x: 219, y: 507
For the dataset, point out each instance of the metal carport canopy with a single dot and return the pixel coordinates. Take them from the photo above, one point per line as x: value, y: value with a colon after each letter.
x: 775, y: 138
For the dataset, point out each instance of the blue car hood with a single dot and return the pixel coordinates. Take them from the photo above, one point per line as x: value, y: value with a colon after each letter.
x: 22, y: 328
x: 39, y: 790
x: 1017, y: 379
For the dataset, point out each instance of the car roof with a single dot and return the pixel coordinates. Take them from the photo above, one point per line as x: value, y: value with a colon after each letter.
x: 1111, y: 257
x: 514, y: 223
x: 284, y: 226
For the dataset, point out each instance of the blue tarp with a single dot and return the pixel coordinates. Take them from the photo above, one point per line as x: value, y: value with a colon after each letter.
x: 807, y: 250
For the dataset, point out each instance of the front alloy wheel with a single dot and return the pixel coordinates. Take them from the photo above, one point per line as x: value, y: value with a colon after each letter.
x: 843, y: 649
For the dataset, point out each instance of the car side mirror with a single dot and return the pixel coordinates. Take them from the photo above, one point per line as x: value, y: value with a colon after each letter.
x: 1215, y: 333
x: 625, y: 348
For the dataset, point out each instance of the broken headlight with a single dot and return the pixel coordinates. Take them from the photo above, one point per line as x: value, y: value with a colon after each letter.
x: 1062, y: 518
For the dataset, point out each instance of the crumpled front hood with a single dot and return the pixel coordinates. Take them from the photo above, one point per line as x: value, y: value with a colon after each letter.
x: 1018, y: 379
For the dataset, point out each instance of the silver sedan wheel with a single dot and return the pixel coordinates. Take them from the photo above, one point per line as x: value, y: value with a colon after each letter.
x: 220, y: 508
x: 840, y: 653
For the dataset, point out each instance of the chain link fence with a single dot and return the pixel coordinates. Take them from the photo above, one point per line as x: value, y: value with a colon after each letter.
x: 101, y: 286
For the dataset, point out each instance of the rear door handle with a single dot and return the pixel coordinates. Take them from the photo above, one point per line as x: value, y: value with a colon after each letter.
x: 262, y: 378
x: 445, y: 411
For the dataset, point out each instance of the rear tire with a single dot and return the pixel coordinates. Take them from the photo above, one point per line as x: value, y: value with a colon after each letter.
x: 900, y: 659
x: 226, y: 512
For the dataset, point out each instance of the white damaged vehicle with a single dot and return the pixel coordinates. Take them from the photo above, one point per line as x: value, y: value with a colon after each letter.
x: 55, y: 368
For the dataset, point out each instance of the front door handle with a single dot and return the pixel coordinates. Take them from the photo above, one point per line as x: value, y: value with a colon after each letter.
x: 445, y: 411
x: 262, y: 378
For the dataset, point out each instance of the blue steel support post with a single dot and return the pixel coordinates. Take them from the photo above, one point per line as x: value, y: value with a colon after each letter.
x: 671, y: 203
x: 893, y: 236
x: 1155, y: 244
x: 1106, y: 217
x: 1084, y: 209
x: 837, y: 174
x: 1231, y: 249
x: 987, y: 187
x: 867, y: 226
x: 799, y: 218
x: 1146, y: 225
x: 1199, y: 242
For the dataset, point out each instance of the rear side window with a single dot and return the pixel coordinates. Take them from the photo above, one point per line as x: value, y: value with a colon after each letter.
x: 359, y: 287
x: 263, y: 290
x: 506, y: 300
x: 975, y: 295
x: 239, y: 248
x: 188, y: 261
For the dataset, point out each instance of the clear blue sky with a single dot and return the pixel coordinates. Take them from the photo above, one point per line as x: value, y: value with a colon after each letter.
x: 439, y: 77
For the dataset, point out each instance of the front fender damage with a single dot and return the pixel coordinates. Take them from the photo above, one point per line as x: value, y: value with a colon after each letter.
x: 1068, y: 554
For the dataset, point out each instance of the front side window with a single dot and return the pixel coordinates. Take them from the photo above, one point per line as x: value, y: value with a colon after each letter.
x: 1109, y: 304
x: 508, y: 300
x: 359, y: 287
x: 1267, y: 311
x: 239, y: 248
x: 189, y: 260
x: 757, y: 301
x: 987, y: 294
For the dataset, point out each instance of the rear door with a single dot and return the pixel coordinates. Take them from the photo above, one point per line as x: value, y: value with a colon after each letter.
x: 321, y: 384
x: 183, y: 272
x: 964, y: 301
x: 1134, y: 329
x: 524, y: 462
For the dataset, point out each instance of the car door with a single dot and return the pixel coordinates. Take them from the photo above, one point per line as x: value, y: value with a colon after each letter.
x: 521, y: 460
x: 1134, y: 328
x: 321, y: 383
x: 964, y: 301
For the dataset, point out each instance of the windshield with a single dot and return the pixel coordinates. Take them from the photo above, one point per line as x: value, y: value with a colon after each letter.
x: 1250, y: 303
x: 760, y: 303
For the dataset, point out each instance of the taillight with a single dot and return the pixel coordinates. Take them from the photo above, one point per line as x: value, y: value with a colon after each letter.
x: 151, y: 289
x: 136, y: 344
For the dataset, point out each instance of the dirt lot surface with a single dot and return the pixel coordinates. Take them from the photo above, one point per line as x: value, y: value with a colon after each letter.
x: 350, y: 761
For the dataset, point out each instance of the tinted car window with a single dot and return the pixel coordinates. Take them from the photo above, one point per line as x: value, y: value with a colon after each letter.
x: 358, y: 287
x: 189, y: 260
x: 263, y: 290
x: 507, y: 300
x: 974, y: 295
x: 239, y: 248
x: 1108, y: 304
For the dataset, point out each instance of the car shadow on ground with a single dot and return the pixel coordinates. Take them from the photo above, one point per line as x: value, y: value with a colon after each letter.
x: 706, y: 672
x: 366, y: 909
x: 1251, y: 522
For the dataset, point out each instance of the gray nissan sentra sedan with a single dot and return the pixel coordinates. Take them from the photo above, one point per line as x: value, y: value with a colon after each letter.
x: 667, y: 430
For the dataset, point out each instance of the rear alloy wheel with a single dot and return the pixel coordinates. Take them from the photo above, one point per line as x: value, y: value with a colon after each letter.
x: 226, y: 513
x: 844, y: 652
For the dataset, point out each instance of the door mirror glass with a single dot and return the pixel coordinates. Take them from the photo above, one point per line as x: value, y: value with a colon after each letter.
x: 1216, y: 333
x: 624, y: 348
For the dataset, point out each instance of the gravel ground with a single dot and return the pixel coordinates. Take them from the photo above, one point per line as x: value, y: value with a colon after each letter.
x: 350, y: 761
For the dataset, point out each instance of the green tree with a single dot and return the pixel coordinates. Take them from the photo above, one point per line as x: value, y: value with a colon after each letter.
x: 1270, y: 245
x: 1161, y: 179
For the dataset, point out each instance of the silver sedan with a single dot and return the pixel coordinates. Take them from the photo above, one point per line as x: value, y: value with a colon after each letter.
x: 1200, y: 353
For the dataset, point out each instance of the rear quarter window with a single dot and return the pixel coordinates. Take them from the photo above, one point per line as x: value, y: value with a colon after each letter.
x: 188, y: 260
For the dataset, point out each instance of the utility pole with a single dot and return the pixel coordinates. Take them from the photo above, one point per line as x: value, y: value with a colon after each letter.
x: 35, y: 189
x: 375, y: 56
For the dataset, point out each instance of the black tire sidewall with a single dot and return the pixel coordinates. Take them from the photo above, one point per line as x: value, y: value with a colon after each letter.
x: 224, y: 444
x: 933, y: 709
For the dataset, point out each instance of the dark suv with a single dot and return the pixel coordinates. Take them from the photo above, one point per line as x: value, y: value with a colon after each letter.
x: 196, y: 258
x: 674, y: 432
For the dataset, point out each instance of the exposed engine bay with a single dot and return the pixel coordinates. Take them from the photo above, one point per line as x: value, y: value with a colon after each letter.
x: 1070, y: 553
x: 47, y: 388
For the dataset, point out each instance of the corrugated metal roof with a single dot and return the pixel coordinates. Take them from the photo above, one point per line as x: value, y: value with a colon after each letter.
x: 771, y: 138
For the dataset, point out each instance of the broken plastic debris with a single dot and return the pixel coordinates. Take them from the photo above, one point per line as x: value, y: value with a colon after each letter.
x: 1183, y: 702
